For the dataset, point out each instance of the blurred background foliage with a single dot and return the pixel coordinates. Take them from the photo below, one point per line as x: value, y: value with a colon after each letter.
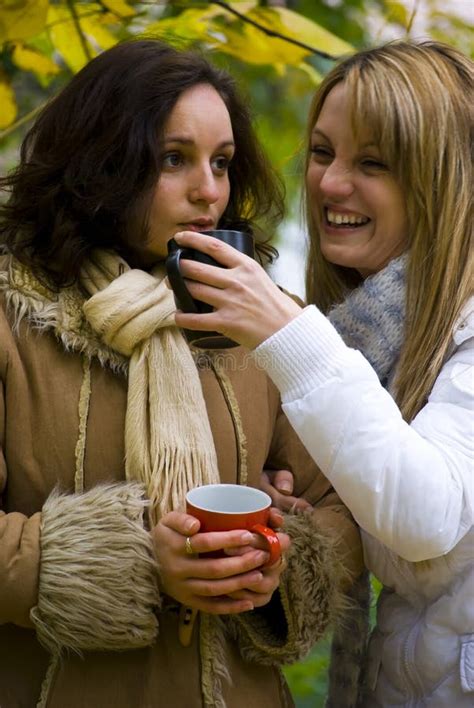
x: 277, y: 49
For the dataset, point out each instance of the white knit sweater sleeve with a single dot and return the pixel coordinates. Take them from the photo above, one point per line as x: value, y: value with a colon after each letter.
x: 410, y: 486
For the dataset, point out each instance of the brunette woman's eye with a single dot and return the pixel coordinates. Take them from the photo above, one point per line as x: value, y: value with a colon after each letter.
x: 221, y: 163
x: 172, y: 159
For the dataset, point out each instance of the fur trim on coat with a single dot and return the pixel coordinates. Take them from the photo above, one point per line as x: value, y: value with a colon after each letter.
x: 308, y: 601
x: 98, y: 579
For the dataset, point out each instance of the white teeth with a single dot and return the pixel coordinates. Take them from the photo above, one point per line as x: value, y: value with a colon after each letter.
x: 336, y: 218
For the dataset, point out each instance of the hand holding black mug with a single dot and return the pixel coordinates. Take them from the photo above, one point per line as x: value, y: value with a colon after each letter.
x: 239, y: 240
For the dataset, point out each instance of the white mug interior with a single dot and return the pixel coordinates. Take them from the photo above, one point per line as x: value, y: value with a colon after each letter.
x: 228, y: 498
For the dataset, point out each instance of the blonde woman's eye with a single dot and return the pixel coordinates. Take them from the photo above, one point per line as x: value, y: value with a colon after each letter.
x: 172, y: 159
x: 373, y: 164
x: 321, y: 152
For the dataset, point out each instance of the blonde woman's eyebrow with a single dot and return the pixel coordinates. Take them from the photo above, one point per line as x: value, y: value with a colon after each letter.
x: 318, y: 131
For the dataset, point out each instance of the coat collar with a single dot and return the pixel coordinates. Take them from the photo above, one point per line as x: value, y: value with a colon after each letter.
x: 464, y: 325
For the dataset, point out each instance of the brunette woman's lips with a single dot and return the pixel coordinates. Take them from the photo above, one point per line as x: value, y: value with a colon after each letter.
x: 198, y: 226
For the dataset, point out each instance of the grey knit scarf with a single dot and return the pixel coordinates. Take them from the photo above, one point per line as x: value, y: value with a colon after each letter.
x: 371, y: 318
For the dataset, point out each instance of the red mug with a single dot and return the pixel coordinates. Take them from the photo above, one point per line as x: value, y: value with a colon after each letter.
x: 225, y: 507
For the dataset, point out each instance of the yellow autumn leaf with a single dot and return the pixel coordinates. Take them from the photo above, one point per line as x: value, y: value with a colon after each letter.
x: 64, y: 36
x: 296, y: 26
x: 22, y: 19
x: 95, y: 29
x: 192, y: 24
x: 67, y: 40
x: 31, y: 60
x: 255, y: 47
x: 119, y: 8
x: 397, y: 12
x: 8, y: 107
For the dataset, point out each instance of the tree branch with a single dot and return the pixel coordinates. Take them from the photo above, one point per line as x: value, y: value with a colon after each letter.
x: 220, y: 3
x: 24, y: 119
x: 272, y: 33
x: 77, y: 24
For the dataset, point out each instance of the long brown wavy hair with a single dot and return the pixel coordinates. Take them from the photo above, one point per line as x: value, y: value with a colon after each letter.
x: 417, y: 101
x: 89, y: 163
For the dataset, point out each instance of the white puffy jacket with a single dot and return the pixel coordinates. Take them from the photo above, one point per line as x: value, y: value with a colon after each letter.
x: 411, y: 489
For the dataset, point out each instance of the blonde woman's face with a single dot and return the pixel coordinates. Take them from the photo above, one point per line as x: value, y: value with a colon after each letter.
x: 354, y: 199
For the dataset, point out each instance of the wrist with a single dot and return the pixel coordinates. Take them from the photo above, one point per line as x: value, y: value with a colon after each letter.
x: 280, y: 318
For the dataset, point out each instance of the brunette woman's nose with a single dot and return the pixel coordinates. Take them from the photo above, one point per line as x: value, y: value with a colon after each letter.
x: 204, y: 188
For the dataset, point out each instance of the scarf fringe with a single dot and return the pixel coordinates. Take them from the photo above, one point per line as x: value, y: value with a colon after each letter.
x: 48, y: 681
x: 167, y: 490
x: 214, y: 666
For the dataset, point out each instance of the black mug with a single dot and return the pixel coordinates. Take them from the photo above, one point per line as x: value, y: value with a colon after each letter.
x: 240, y: 240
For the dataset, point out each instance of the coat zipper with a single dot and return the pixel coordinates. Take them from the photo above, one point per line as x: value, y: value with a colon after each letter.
x: 414, y: 687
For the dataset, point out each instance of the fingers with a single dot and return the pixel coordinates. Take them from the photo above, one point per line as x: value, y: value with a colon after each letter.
x: 281, y: 497
x: 283, y: 481
x: 180, y: 522
x: 217, y: 540
x: 203, y: 273
x: 224, y: 605
x: 276, y: 519
x: 260, y: 592
x: 206, y: 293
x: 221, y: 252
x: 224, y: 567
x: 211, y: 322
x: 224, y: 586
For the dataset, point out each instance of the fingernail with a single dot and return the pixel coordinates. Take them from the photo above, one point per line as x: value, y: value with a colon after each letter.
x: 284, y: 487
x: 248, y: 607
x: 246, y: 537
x: 191, y: 525
x: 177, y: 237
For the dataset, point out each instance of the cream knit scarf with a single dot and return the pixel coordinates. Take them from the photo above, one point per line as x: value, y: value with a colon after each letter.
x: 128, y: 318
x: 168, y: 440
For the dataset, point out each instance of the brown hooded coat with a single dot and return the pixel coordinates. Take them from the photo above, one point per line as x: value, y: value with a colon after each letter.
x: 82, y: 622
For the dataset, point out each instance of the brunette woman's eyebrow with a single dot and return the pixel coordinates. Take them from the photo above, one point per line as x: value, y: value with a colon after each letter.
x: 190, y: 141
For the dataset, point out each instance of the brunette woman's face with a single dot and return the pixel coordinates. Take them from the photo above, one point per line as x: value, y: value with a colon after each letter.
x: 355, y: 201
x: 193, y: 188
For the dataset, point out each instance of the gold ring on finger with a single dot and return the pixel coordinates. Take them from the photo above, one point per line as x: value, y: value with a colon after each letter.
x: 188, y: 547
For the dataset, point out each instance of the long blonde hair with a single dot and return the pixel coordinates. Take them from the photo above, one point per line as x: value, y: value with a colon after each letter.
x: 417, y: 101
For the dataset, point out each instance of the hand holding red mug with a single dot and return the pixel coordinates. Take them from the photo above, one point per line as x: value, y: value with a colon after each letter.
x: 193, y: 577
x: 223, y: 507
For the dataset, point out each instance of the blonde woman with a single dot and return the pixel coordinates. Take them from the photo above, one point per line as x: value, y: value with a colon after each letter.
x: 377, y: 377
